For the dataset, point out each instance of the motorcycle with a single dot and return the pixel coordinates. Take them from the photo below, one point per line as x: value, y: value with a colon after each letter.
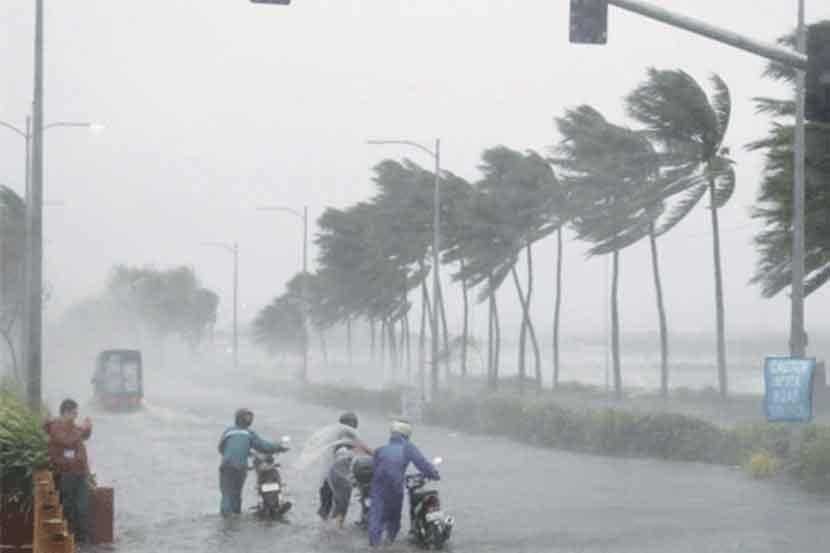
x: 429, y: 526
x: 362, y: 472
x: 273, y: 501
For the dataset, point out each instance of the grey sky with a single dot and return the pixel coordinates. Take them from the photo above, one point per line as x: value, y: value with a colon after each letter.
x: 214, y: 107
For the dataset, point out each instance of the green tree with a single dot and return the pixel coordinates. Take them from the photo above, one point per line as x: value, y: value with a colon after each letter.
x: 608, y: 170
x: 691, y: 126
x: 12, y: 253
x: 774, y: 208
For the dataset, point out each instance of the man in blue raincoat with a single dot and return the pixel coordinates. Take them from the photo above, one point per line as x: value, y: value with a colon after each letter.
x: 387, y: 488
x: 234, y: 446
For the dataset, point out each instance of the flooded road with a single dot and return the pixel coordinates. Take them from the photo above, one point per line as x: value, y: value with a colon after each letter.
x: 505, y: 496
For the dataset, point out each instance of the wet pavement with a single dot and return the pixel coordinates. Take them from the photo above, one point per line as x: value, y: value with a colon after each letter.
x: 162, y: 462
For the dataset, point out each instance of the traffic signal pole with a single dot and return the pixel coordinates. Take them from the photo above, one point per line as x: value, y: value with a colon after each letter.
x: 769, y: 51
x: 796, y: 60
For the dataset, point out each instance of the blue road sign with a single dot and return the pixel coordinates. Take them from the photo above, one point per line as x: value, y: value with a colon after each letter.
x: 788, y: 384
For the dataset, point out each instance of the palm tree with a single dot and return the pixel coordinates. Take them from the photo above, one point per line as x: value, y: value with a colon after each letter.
x: 522, y: 186
x: 608, y: 170
x: 774, y: 242
x: 690, y: 125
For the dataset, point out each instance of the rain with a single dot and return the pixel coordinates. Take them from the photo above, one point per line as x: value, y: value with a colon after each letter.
x: 548, y: 251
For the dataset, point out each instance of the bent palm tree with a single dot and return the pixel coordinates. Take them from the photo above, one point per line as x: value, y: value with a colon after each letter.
x: 691, y: 127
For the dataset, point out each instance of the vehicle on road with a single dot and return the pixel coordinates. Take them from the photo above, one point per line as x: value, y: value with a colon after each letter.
x: 118, y: 380
x: 430, y: 527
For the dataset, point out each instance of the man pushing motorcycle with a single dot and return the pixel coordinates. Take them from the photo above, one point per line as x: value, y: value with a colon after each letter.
x: 235, y: 445
x: 387, y: 488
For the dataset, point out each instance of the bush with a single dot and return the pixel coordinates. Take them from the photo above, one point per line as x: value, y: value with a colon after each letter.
x: 23, y: 449
x: 814, y: 459
x: 762, y: 464
x: 762, y: 448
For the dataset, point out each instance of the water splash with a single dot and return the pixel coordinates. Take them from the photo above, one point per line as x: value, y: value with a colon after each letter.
x: 318, y: 450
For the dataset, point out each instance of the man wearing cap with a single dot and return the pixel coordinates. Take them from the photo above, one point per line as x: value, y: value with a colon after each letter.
x: 235, y: 445
x: 387, y: 488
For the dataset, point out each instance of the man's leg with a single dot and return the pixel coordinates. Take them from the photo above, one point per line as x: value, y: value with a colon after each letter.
x: 69, y: 500
x: 225, y: 507
x: 82, y: 506
x: 393, y: 517
x: 326, y: 499
x: 376, y: 512
x: 238, y: 485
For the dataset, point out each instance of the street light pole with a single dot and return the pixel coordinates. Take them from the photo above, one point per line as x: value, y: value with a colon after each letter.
x: 436, y: 238
x: 233, y: 249
x: 35, y: 229
x: 305, y: 300
x: 235, y: 305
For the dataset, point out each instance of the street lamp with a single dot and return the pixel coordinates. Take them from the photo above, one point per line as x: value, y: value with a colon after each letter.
x: 436, y: 208
x: 304, y: 282
x: 32, y: 135
x: 234, y: 250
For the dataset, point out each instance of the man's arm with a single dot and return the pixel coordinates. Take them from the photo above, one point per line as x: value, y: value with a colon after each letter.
x: 264, y: 446
x: 420, y: 462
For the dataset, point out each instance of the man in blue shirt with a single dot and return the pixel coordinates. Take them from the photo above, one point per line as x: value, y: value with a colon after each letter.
x: 387, y: 487
x: 234, y: 447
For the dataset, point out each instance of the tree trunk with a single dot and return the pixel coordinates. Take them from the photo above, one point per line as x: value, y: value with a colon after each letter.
x: 372, y: 332
x: 383, y: 346
x: 615, y: 326
x: 445, y: 331
x: 490, y: 337
x: 466, y: 323
x: 349, y: 339
x: 722, y: 376
x: 537, y: 355
x: 558, y: 308
x: 13, y: 355
x: 324, y: 347
x: 497, y: 353
x: 422, y: 333
x: 522, y: 332
x: 393, y: 348
x: 406, y: 342
x: 661, y: 311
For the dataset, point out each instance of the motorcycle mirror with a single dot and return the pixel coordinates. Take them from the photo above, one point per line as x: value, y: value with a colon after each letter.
x: 285, y: 440
x: 437, y: 461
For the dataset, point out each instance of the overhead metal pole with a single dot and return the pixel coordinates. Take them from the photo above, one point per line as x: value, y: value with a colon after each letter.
x: 769, y: 51
x: 798, y: 337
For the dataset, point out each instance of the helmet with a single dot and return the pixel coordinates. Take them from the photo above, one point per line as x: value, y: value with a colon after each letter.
x: 402, y: 427
x: 349, y: 419
x: 243, y: 417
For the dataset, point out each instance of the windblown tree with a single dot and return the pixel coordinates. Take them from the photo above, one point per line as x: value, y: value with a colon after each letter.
x: 164, y: 303
x: 774, y: 209
x: 609, y: 170
x: 12, y: 289
x: 522, y: 185
x: 279, y: 327
x: 690, y: 127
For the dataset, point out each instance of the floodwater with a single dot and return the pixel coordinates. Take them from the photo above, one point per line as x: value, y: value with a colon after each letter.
x: 506, y: 497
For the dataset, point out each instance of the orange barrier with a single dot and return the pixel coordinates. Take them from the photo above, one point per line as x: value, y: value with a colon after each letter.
x: 51, y: 534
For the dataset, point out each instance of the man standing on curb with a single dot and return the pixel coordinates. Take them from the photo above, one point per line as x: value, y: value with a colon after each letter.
x: 67, y: 454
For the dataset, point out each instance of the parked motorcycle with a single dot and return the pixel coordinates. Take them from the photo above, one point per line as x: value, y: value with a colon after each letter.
x: 430, y: 527
x: 273, y: 500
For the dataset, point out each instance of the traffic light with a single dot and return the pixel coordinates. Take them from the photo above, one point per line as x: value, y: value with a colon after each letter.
x: 817, y: 94
x: 589, y: 21
x: 280, y: 2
